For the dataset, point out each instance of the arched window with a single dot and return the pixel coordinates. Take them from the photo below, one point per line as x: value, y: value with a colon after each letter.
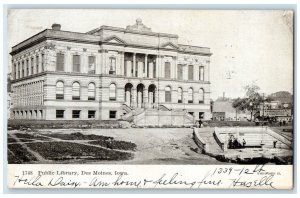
x: 59, y: 90
x: 190, y: 95
x: 76, y: 91
x: 168, y: 94
x: 179, y: 95
x: 201, y: 95
x: 112, y: 92
x: 91, y: 91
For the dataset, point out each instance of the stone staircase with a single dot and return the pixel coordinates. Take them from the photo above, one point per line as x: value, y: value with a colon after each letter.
x: 205, y: 138
x: 160, y: 116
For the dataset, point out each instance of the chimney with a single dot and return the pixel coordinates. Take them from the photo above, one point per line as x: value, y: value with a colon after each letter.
x: 56, y: 27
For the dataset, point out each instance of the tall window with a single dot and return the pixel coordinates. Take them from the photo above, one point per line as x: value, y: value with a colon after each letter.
x: 112, y: 92
x: 59, y: 90
x: 15, y: 71
x: 91, y: 64
x: 37, y: 63
x: 76, y: 91
x: 23, y: 72
x: 27, y: 67
x: 179, y: 72
x: 201, y: 95
x: 179, y: 92
x: 168, y: 94
x: 32, y: 65
x: 201, y: 73
x: 191, y: 72
x: 91, y: 91
x: 60, y: 62
x: 76, y: 63
x: 43, y: 62
x: 19, y: 68
x: 112, y: 65
x: 167, y: 70
x: 190, y: 95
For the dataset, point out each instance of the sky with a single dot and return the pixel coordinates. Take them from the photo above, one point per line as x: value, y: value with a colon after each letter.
x: 248, y: 46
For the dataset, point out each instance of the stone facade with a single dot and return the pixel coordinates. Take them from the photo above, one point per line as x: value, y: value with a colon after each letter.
x: 95, y: 75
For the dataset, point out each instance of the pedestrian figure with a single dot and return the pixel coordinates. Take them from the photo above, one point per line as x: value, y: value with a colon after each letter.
x: 244, y: 142
x: 274, y: 143
x: 280, y: 123
x: 200, y: 123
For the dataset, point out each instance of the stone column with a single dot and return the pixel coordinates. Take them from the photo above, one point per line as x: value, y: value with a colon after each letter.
x: 145, y: 103
x: 40, y: 62
x: 17, y: 70
x: 175, y: 67
x: 133, y: 97
x: 29, y: 65
x: 162, y: 67
x: 157, y: 66
x: 103, y: 61
x: 128, y: 68
x: 98, y: 63
x: 146, y: 66
x: 127, y: 97
x: 139, y: 99
x: 134, y: 64
x: 121, y: 55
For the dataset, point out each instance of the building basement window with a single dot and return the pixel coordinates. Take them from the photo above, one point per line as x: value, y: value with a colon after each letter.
x: 76, y: 114
x: 59, y: 113
x: 91, y: 114
x: 112, y: 114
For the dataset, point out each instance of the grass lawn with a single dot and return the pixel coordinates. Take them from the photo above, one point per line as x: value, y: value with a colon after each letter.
x: 69, y: 150
x: 17, y: 154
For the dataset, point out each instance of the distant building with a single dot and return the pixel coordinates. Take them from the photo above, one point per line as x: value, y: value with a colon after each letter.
x: 223, y: 111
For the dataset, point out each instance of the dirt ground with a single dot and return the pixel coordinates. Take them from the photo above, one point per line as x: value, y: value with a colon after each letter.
x: 154, y: 146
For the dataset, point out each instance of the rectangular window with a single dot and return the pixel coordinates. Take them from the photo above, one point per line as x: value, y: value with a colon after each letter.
x: 91, y: 64
x: 37, y: 64
x: 43, y: 62
x: 32, y: 66
x: 76, y: 114
x: 112, y: 65
x: 168, y: 70
x: 201, y: 115
x: 76, y: 63
x: 15, y: 71
x: 59, y: 113
x: 91, y: 114
x: 27, y: 67
x: 179, y: 72
x: 191, y: 72
x: 60, y: 62
x: 112, y: 114
x: 23, y: 72
x: 201, y: 73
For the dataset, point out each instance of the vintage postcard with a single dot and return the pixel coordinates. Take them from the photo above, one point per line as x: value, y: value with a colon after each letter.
x: 175, y: 99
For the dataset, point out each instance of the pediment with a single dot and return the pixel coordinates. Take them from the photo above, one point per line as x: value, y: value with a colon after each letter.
x: 114, y: 39
x: 169, y: 45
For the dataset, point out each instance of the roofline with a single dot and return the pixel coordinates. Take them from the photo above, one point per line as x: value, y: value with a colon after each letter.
x: 106, y: 27
x: 47, y: 36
